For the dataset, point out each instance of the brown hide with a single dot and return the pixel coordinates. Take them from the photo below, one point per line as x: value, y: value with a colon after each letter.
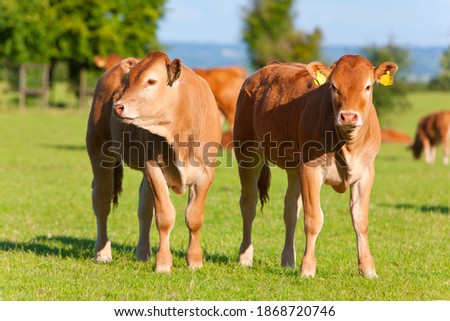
x: 225, y: 83
x: 172, y: 137
x: 432, y: 130
x: 108, y: 62
x: 389, y: 135
x: 327, y: 134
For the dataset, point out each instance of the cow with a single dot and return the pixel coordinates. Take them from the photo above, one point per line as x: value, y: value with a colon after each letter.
x: 431, y: 131
x: 108, y: 62
x: 160, y: 118
x: 390, y: 135
x: 319, y: 124
x: 225, y: 83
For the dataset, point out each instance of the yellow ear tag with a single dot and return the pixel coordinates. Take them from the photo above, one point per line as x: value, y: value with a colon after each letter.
x: 387, y: 79
x: 320, y: 78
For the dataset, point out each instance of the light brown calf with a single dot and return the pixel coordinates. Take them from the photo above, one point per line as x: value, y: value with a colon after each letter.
x: 161, y: 119
x: 328, y: 134
x: 431, y: 131
x: 225, y: 83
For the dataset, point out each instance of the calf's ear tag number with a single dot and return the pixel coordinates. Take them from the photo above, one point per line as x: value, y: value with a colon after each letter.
x: 320, y: 78
x: 387, y: 79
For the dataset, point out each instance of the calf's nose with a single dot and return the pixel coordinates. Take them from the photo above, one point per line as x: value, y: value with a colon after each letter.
x: 119, y: 109
x: 348, y: 118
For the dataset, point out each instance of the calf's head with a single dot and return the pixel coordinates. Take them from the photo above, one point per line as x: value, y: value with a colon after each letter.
x: 150, y: 90
x: 351, y: 80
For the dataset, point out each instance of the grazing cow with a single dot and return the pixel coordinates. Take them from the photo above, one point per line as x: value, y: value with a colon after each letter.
x: 108, y: 62
x: 160, y: 118
x: 431, y: 131
x: 319, y: 134
x: 389, y: 135
x: 225, y: 83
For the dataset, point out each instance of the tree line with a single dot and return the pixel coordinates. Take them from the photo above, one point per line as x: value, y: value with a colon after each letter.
x: 74, y: 31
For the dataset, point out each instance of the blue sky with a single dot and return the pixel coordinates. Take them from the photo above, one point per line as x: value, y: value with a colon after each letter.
x: 343, y: 22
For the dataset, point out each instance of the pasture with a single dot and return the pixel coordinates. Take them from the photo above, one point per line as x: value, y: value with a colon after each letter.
x: 48, y: 228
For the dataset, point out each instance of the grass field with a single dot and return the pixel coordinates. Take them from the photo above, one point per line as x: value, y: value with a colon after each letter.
x: 47, y: 232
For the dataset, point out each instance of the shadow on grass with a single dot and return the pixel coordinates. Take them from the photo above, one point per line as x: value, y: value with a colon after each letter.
x: 441, y: 209
x: 65, y: 147
x: 60, y: 246
x: 81, y: 248
x: 207, y: 256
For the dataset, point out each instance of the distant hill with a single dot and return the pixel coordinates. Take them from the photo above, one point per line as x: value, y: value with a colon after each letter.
x: 206, y: 55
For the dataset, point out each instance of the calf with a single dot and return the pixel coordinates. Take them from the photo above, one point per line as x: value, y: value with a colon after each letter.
x: 319, y: 134
x: 431, y: 131
x: 161, y: 119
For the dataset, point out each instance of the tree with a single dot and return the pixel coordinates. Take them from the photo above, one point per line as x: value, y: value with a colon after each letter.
x: 270, y: 35
x: 75, y: 30
x: 26, y: 35
x: 442, y: 80
x: 389, y: 98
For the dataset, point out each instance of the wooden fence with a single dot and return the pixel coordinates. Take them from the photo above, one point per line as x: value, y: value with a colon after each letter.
x: 16, y: 78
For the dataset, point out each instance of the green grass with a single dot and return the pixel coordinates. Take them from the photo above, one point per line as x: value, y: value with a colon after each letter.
x: 48, y: 229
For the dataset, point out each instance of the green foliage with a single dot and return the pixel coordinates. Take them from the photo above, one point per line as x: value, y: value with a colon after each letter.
x: 442, y: 80
x: 270, y: 34
x: 76, y: 30
x: 48, y: 227
x: 390, y: 98
x: 26, y: 34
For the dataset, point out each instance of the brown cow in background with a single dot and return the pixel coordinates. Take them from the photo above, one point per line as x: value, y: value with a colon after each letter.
x: 161, y: 119
x: 328, y: 134
x: 225, y: 83
x: 389, y: 135
x: 108, y: 62
x: 431, y: 131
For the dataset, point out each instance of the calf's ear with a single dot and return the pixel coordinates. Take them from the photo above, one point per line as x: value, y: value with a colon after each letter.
x: 319, y: 71
x: 128, y: 63
x: 174, y: 71
x: 384, y: 73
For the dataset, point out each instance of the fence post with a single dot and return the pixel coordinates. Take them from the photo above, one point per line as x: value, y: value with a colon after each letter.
x: 83, y: 88
x: 45, y: 86
x: 4, y: 86
x: 22, y: 86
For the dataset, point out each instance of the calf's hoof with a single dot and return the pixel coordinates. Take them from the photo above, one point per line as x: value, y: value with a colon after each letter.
x: 194, y: 261
x: 370, y: 274
x: 308, y: 268
x: 104, y: 254
x: 142, y: 254
x: 246, y: 256
x: 288, y: 259
x: 163, y: 263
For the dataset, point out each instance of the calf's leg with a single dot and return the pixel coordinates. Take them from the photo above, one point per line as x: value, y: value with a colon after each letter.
x: 248, y: 176
x: 194, y: 218
x: 164, y: 213
x: 292, y: 206
x: 311, y: 182
x: 446, y: 146
x: 102, y: 192
x: 146, y: 211
x: 359, y: 209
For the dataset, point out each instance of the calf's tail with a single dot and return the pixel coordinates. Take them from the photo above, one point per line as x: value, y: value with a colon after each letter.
x: 118, y: 176
x: 264, y: 184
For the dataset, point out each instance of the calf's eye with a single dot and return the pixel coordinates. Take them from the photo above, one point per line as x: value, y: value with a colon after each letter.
x: 151, y: 82
x: 368, y: 88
